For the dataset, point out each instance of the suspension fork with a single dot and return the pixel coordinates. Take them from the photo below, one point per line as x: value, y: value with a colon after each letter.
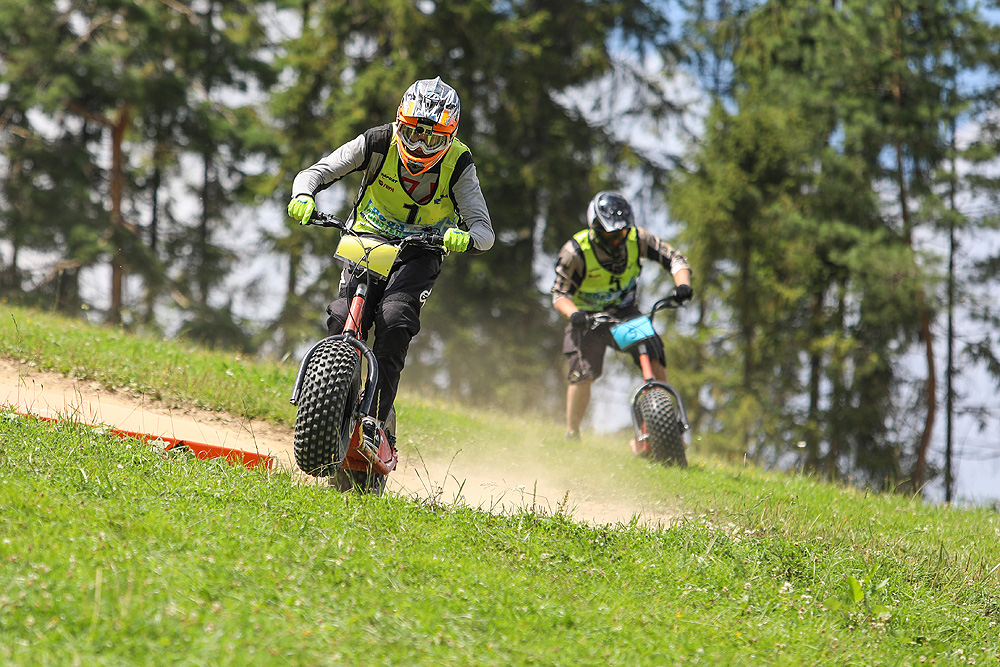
x: 353, y: 324
x: 651, y: 381
x: 352, y: 332
x: 645, y: 364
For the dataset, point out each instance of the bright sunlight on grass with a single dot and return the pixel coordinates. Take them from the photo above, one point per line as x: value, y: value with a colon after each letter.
x: 113, y: 553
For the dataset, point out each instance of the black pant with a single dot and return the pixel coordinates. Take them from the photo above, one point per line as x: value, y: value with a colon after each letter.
x: 393, y: 306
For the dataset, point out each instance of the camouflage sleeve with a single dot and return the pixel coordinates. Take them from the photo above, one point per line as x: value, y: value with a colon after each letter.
x: 570, y: 267
x: 661, y: 252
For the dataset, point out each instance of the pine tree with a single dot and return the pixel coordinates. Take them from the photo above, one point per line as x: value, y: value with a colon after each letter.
x: 538, y: 160
x: 871, y: 82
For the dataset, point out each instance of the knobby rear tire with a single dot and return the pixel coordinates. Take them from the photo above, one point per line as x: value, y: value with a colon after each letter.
x: 663, y: 429
x: 326, y: 408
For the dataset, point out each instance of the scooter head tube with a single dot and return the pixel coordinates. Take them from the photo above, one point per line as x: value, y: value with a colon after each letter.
x: 370, y: 254
x: 634, y: 331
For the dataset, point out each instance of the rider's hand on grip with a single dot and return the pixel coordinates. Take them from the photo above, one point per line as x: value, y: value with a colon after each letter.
x: 683, y: 293
x: 301, y: 208
x: 456, y: 240
x: 579, y: 320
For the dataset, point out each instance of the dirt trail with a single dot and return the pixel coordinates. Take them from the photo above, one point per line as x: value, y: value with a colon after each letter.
x: 455, y: 480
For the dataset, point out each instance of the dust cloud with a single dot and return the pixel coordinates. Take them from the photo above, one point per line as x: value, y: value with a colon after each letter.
x: 454, y: 479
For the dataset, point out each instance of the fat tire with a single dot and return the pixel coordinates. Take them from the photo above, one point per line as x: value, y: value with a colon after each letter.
x: 658, y: 413
x: 326, y: 408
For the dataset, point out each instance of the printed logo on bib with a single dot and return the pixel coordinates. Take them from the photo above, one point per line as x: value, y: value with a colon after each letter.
x: 383, y: 181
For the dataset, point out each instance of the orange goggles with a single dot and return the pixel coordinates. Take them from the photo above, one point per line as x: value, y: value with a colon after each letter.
x: 421, y: 138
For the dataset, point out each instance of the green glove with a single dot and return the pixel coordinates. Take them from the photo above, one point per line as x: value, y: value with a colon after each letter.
x: 456, y: 240
x: 301, y: 208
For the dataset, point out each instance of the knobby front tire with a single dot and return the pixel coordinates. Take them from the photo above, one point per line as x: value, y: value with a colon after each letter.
x: 663, y: 429
x: 327, y: 403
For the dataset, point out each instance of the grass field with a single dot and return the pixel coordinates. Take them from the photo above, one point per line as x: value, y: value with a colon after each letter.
x: 113, y: 554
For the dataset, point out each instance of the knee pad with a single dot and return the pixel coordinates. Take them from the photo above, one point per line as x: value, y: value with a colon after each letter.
x: 396, y: 323
x: 398, y: 311
x: 390, y: 349
x: 655, y: 348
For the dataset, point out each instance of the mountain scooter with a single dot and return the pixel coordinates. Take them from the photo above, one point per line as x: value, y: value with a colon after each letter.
x: 658, y: 414
x: 336, y: 433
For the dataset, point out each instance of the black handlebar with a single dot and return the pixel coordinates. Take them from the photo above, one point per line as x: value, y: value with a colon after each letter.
x: 428, y: 239
x: 668, y: 302
x: 320, y: 219
x: 431, y: 240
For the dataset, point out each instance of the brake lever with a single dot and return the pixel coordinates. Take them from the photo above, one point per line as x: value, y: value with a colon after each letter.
x: 320, y: 219
x: 430, y: 239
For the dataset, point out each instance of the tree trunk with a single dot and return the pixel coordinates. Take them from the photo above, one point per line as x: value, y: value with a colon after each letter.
x: 154, y: 233
x: 919, y: 476
x: 815, y: 372
x: 117, y: 189
x: 201, y: 271
x: 10, y: 281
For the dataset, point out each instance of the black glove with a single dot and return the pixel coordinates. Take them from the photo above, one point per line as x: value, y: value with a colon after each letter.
x: 683, y: 293
x: 579, y: 320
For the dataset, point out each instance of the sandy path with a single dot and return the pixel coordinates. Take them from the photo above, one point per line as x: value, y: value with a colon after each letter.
x: 455, y: 480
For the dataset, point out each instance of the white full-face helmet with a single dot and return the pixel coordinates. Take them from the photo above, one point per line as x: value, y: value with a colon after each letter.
x: 426, y: 123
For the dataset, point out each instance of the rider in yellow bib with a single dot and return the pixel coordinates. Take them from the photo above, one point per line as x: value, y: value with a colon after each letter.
x: 598, y: 270
x: 416, y: 177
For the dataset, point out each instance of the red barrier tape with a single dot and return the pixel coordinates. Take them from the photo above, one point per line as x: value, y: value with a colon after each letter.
x: 200, y: 449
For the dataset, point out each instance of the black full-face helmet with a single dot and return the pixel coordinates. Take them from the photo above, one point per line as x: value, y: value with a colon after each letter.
x: 609, y: 217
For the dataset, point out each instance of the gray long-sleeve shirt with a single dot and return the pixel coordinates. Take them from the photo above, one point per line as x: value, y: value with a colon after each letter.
x: 367, y: 152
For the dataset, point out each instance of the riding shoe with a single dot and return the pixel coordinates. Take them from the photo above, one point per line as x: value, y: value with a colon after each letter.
x: 369, y: 435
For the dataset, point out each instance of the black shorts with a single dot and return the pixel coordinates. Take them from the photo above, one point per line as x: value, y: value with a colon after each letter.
x: 584, y: 350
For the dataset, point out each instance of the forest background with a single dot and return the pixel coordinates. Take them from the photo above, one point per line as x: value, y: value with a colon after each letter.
x: 829, y: 168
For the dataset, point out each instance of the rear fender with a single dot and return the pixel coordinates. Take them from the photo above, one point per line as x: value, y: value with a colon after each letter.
x: 359, y: 458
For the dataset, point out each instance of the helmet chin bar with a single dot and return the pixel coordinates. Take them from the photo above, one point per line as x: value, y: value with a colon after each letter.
x: 614, y: 238
x: 617, y: 253
x: 416, y: 171
x: 419, y: 168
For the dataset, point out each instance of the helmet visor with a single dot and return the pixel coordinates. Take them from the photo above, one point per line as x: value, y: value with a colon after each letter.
x: 612, y: 239
x: 421, y: 140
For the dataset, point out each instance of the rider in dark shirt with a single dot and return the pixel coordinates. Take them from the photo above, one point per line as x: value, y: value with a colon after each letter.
x: 598, y: 270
